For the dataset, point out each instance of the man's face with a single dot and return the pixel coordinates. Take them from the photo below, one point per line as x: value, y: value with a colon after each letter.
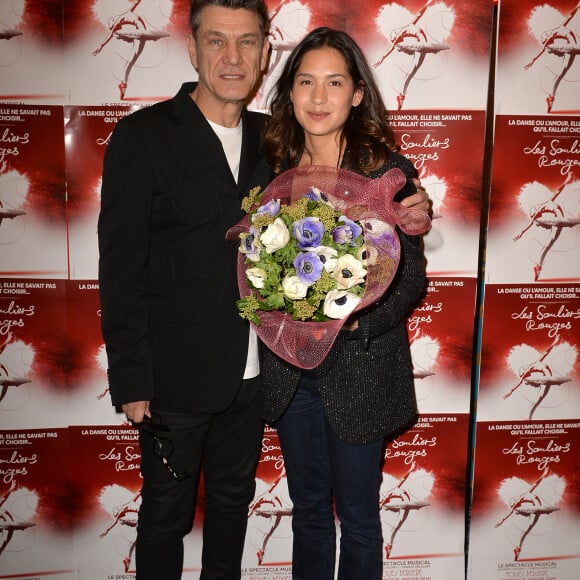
x: 229, y: 52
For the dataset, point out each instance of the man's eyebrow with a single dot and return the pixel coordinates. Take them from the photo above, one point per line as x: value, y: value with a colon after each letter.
x: 224, y: 35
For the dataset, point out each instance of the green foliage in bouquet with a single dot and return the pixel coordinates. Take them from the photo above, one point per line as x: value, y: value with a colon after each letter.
x: 306, y: 259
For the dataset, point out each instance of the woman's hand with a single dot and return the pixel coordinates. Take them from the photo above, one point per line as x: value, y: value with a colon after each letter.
x: 419, y: 200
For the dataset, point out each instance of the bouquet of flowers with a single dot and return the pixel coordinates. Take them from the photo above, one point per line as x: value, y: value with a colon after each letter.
x: 316, y: 246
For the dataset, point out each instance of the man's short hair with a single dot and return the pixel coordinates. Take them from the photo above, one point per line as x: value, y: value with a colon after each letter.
x: 256, y: 6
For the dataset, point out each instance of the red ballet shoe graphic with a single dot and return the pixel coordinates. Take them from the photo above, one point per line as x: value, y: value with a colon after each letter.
x: 400, y: 101
x: 388, y: 548
x: 122, y: 89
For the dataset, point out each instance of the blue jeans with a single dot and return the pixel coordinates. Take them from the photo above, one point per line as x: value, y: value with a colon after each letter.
x: 319, y: 466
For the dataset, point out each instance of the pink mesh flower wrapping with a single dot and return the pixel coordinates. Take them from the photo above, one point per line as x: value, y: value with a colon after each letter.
x: 369, y: 202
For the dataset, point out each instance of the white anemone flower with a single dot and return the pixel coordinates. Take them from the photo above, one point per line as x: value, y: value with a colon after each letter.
x: 340, y: 304
x: 348, y: 272
x: 276, y: 236
x: 293, y: 288
x: 367, y: 255
x: 327, y: 255
x: 256, y: 276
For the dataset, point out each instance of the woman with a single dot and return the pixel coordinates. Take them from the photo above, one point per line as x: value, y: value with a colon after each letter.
x: 327, y: 110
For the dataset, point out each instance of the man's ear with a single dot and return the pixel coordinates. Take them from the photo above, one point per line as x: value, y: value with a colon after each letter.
x: 265, y: 55
x: 192, y: 49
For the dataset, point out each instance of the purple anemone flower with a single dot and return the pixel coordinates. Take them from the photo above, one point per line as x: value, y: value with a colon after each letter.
x: 383, y: 237
x: 346, y: 233
x: 250, y: 245
x: 272, y: 208
x: 308, y: 267
x: 314, y: 194
x: 308, y: 232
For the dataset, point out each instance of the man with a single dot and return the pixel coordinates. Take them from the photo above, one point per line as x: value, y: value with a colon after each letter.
x: 173, y: 177
x: 181, y: 364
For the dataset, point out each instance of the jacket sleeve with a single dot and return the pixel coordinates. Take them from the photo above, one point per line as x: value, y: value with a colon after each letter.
x: 404, y: 292
x: 123, y: 232
x: 409, y: 282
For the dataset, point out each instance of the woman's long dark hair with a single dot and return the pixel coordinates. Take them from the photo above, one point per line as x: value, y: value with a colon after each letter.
x: 366, y: 138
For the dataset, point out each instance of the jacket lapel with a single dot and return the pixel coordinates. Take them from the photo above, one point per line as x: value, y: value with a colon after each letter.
x: 199, y: 132
x: 251, y: 138
x: 204, y: 140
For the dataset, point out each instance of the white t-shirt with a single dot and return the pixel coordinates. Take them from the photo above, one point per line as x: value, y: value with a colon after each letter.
x: 231, y: 138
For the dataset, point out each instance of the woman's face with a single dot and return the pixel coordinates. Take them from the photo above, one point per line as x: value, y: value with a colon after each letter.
x: 323, y: 93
